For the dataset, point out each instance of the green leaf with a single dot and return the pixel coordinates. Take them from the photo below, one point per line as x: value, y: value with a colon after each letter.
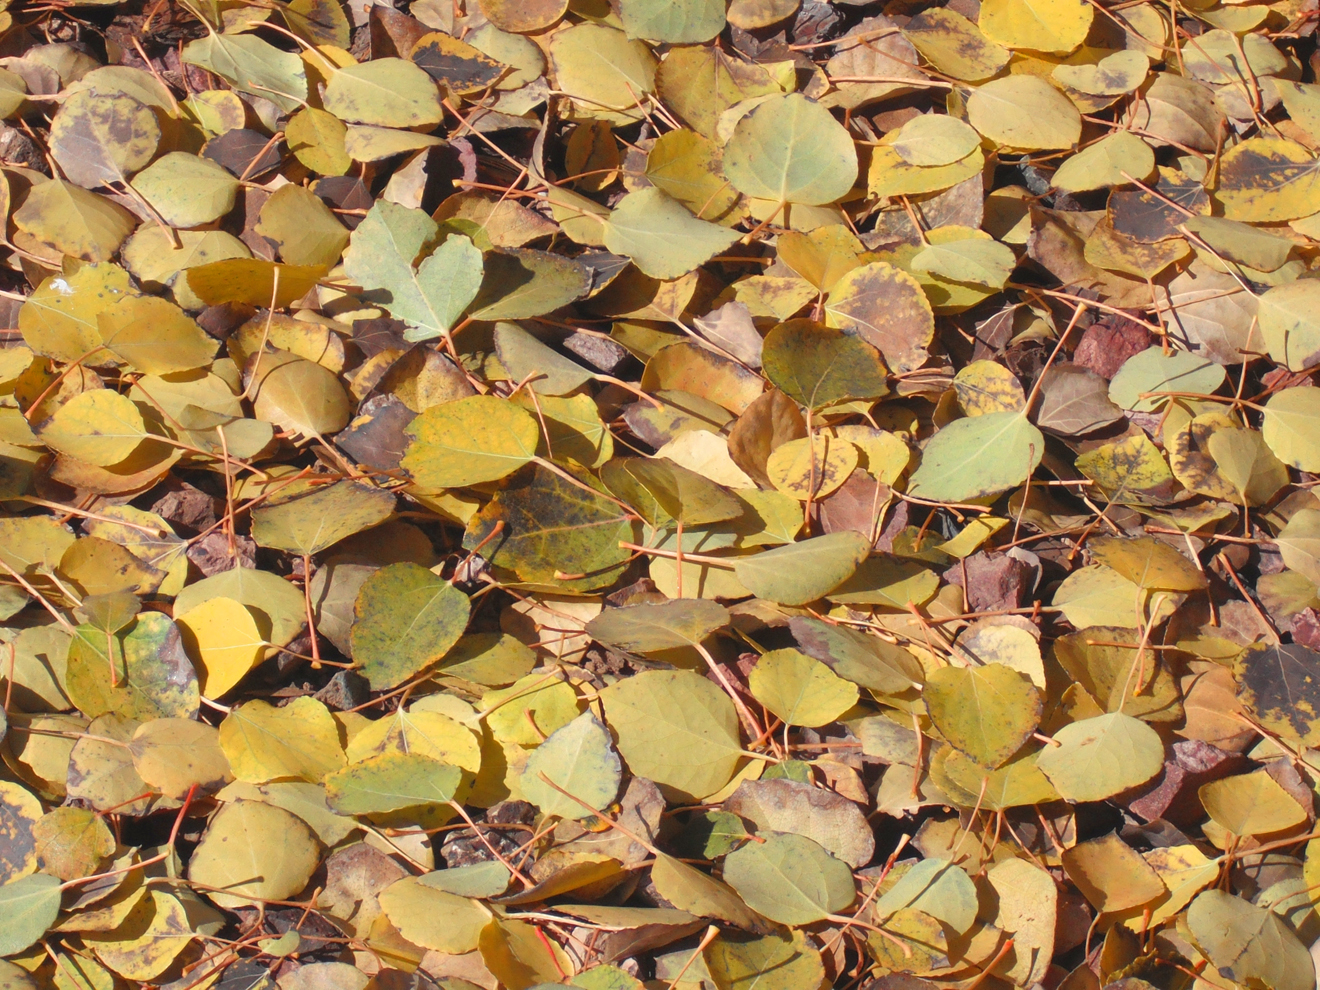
x: 187, y: 190
x: 979, y: 456
x: 692, y: 891
x: 789, y: 879
x: 407, y: 618
x: 579, y: 759
x: 676, y: 728
x: 935, y: 139
x: 525, y: 358
x: 1098, y: 757
x: 655, y: 628
x: 802, y: 572
x: 474, y: 440
x: 782, y: 961
x: 488, y: 879
x: 252, y: 66
x: 663, y: 239
x: 800, y: 690
x: 386, y: 92
x: 28, y: 907
x: 381, y: 256
x: 1291, y: 427
x: 520, y: 283
x: 13, y: 91
x: 1154, y: 371
x: 789, y: 149
x: 391, y: 782
x: 666, y: 493
x: 678, y: 22
x: 311, y: 522
x: 819, y: 367
x: 938, y: 888
x: 1111, y: 161
x: 603, y: 70
x: 872, y: 662
x: 974, y: 260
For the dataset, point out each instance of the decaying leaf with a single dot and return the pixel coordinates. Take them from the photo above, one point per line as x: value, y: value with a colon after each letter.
x: 693, y: 494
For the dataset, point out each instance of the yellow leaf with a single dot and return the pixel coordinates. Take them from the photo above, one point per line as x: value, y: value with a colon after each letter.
x: 298, y: 740
x: 224, y: 642
x: 1040, y: 25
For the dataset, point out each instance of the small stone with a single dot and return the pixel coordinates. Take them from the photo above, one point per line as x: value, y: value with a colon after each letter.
x: 212, y: 555
x: 345, y: 690
x: 1108, y: 343
x: 16, y: 148
x: 601, y: 353
x: 188, y: 508
x: 1306, y: 629
x: 994, y: 581
x: 1174, y: 797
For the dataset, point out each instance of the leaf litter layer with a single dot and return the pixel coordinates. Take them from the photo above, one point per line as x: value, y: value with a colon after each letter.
x: 661, y: 493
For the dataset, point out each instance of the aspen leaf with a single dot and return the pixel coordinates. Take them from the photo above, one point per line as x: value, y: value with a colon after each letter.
x: 100, y: 427
x: 987, y: 712
x: 470, y: 441
x: 224, y: 641
x: 800, y: 690
x: 661, y: 236
x: 1112, y: 161
x: 1098, y: 757
x: 1042, y: 25
x: 251, y: 850
x: 1250, y: 804
x: 387, y: 92
x: 789, y: 879
x: 263, y: 743
x: 406, y: 619
x: 1024, y: 112
x: 535, y: 460
x: 954, y: 466
x: 790, y: 150
x: 675, y: 728
x: 391, y: 782
x: 577, y: 758
x: 187, y: 190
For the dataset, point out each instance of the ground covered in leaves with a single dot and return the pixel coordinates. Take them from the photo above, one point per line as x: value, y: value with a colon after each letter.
x: 659, y: 493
